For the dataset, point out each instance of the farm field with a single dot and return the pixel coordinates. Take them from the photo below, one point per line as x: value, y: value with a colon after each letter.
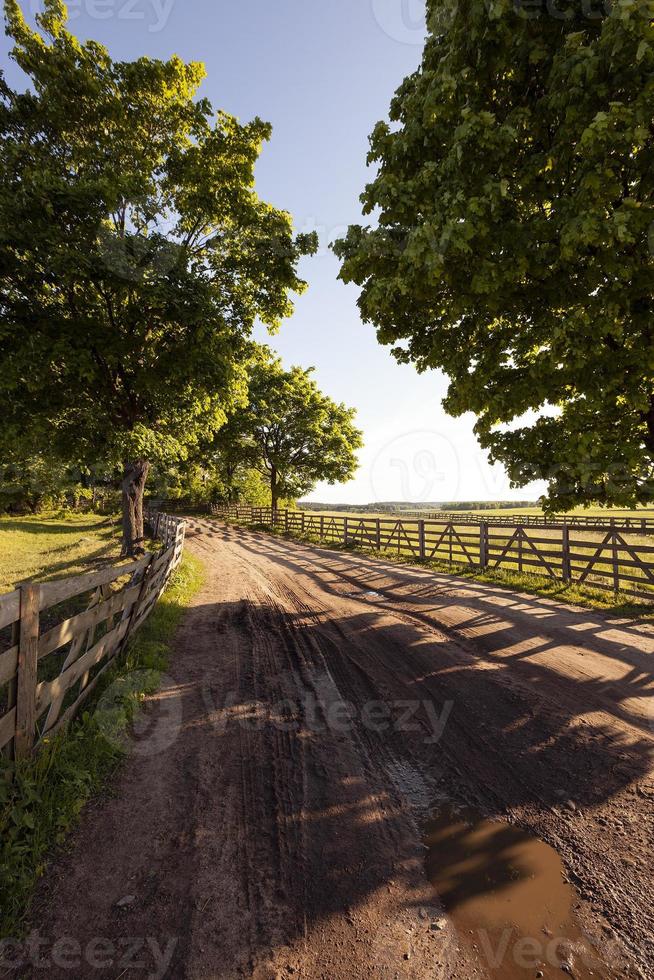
x: 503, y: 512
x: 46, y: 547
x: 604, y: 512
x: 576, y: 512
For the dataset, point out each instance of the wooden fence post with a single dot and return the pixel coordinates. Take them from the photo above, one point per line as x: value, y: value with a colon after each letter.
x: 322, y: 527
x: 616, y: 560
x: 302, y: 522
x: 483, y: 545
x: 133, y: 615
x: 28, y: 652
x: 421, y: 540
x: 345, y: 520
x: 566, y: 565
x: 378, y: 532
x: 10, y: 748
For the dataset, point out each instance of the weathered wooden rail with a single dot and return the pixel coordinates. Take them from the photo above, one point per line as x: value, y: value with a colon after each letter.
x: 600, y: 557
x: 58, y: 638
x: 633, y: 525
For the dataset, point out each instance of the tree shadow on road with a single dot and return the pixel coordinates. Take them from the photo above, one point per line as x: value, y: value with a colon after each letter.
x: 336, y: 724
x: 500, y: 620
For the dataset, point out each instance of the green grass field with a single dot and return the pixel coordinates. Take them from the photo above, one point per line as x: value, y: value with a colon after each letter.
x: 46, y: 547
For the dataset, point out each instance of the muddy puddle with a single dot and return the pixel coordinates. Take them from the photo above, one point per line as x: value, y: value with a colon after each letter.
x: 506, y: 897
x: 370, y: 594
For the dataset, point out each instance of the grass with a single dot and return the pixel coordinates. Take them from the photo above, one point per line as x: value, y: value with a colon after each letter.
x: 582, y: 595
x: 46, y: 547
x: 41, y: 798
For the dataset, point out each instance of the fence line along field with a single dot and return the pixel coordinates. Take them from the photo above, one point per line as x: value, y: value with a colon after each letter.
x: 642, y: 522
x: 618, y: 558
x: 57, y: 638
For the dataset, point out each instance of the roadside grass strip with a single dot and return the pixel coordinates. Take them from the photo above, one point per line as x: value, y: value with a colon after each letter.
x: 42, y: 797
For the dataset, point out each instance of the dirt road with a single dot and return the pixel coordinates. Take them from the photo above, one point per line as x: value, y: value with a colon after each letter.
x: 322, y: 709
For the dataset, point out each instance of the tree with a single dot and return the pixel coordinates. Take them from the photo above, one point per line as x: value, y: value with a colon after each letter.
x: 135, y: 255
x: 30, y: 480
x: 513, y: 249
x: 291, y: 431
x: 34, y: 479
x: 205, y: 479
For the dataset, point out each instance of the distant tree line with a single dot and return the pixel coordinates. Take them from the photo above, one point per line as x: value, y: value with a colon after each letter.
x: 397, y: 506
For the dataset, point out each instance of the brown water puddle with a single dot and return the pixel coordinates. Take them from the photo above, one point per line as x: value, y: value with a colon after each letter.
x: 505, y: 895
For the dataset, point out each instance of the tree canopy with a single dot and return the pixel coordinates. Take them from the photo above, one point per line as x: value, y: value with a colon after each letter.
x: 135, y: 255
x: 290, y: 431
x: 514, y: 201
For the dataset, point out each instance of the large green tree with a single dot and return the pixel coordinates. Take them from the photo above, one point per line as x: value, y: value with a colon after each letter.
x: 135, y: 255
x: 290, y: 431
x: 512, y: 246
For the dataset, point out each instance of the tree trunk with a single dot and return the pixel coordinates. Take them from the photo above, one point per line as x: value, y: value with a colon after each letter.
x: 274, y: 494
x: 135, y: 475
x: 232, y: 493
x: 649, y: 419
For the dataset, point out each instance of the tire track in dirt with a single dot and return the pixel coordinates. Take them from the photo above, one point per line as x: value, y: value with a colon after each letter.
x: 593, y: 847
x: 277, y: 838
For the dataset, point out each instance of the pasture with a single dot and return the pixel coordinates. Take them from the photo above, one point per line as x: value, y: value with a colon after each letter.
x: 490, y: 512
x: 51, y: 546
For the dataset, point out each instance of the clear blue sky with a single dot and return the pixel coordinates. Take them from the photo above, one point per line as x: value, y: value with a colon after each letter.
x: 322, y: 72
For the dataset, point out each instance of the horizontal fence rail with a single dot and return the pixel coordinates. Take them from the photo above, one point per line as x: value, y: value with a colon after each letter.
x: 599, y: 557
x: 635, y: 525
x: 58, y: 638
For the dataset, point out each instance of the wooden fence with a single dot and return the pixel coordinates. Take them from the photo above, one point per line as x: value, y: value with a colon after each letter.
x: 633, y: 525
x: 602, y: 558
x: 58, y: 638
